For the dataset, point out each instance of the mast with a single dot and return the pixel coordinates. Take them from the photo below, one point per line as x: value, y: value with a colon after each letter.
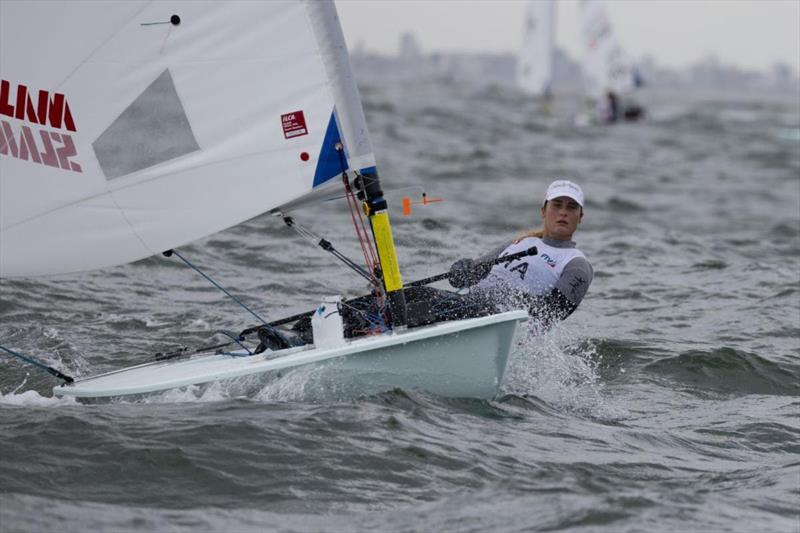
x: 369, y: 191
x: 357, y: 149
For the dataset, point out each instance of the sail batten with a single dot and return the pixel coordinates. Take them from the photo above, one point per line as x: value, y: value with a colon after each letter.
x: 179, y: 131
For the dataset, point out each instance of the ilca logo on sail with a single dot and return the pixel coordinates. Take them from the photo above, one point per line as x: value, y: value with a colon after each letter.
x: 42, y: 113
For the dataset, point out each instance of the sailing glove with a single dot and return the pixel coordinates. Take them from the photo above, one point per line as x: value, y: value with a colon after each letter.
x: 466, y: 272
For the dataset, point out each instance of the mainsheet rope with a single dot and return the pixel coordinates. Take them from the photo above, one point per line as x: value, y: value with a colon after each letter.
x: 217, y: 285
x: 231, y: 296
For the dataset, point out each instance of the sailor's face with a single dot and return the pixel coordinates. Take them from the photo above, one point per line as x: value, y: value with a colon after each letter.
x: 561, y: 217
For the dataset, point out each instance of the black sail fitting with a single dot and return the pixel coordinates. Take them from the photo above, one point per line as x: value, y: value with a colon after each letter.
x: 368, y: 188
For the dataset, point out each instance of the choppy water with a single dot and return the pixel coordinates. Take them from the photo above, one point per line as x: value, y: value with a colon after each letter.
x: 670, y: 401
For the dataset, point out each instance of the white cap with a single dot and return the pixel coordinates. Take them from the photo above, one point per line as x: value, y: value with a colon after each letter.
x: 564, y: 188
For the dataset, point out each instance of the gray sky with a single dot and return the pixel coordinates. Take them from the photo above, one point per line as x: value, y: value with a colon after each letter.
x: 677, y: 33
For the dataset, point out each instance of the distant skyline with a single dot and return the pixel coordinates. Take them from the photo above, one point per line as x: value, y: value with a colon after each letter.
x: 750, y: 34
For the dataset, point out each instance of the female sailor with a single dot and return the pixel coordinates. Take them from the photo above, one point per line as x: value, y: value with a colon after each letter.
x: 550, y: 284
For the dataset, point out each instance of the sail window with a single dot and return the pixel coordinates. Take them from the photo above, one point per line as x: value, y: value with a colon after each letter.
x: 153, y: 129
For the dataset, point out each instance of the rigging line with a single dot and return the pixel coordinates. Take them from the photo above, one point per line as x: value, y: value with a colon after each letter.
x: 323, y: 243
x: 380, y: 295
x: 304, y: 232
x: 217, y: 285
x: 184, y: 352
x: 387, y: 192
x: 372, y: 260
x: 370, y: 245
x: 49, y: 369
x: 363, y: 239
x: 354, y: 208
x: 358, y: 231
x: 366, y: 313
x: 237, y: 339
x: 352, y: 264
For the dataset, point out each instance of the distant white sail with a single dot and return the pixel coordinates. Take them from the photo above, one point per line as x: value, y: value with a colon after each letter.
x: 535, y: 64
x: 605, y: 67
x: 131, y: 127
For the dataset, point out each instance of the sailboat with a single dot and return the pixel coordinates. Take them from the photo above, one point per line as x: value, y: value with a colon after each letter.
x: 144, y: 126
x: 535, y: 63
x: 607, y: 72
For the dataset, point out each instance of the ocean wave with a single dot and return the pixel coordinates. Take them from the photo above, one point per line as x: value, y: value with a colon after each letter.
x: 727, y: 370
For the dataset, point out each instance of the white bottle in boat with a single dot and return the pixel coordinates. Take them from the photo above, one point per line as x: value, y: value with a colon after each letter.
x: 326, y: 323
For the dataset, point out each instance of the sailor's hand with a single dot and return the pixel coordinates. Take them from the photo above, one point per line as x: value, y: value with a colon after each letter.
x: 462, y: 274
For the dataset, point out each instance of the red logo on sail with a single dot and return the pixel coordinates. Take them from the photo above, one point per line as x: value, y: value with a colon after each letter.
x: 40, y: 113
x: 294, y: 124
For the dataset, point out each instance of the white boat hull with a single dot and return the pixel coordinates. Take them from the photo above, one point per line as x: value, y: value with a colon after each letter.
x: 464, y: 358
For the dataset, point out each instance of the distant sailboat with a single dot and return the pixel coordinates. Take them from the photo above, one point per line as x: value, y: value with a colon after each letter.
x: 605, y: 66
x: 608, y: 74
x: 535, y: 63
x: 130, y: 127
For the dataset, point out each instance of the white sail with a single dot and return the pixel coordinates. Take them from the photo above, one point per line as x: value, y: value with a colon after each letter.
x: 535, y: 64
x: 131, y: 127
x: 605, y: 67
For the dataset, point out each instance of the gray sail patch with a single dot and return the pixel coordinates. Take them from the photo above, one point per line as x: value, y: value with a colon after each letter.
x: 153, y: 129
